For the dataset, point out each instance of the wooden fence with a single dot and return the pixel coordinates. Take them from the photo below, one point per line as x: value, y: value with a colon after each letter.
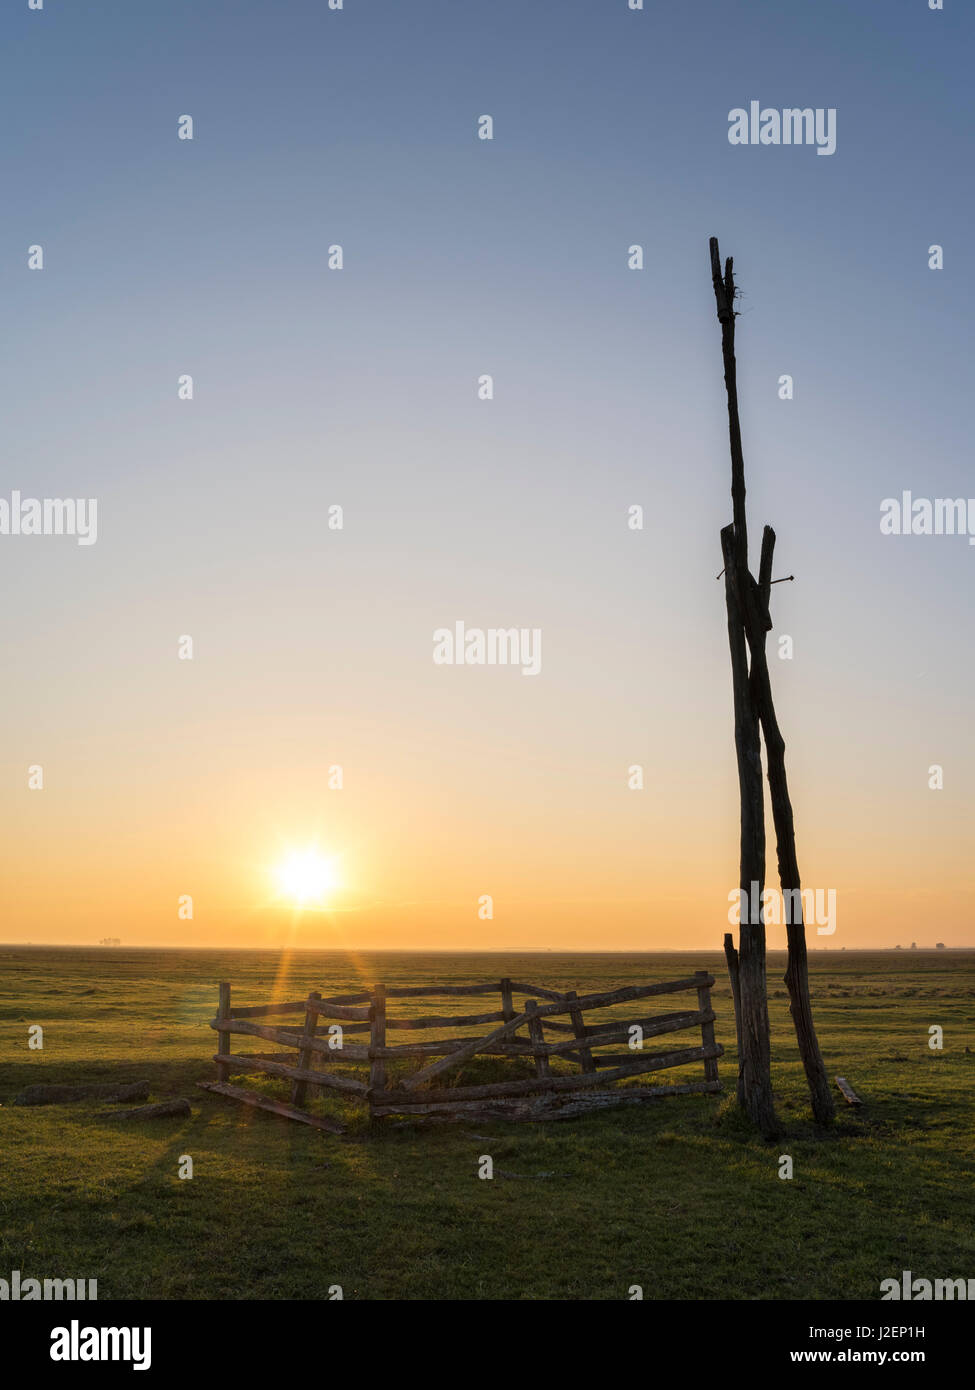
x: 524, y: 1033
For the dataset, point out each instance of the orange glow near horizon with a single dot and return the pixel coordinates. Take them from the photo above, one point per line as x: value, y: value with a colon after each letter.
x: 431, y: 821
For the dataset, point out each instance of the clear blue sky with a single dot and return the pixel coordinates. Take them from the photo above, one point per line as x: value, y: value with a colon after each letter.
x: 312, y: 387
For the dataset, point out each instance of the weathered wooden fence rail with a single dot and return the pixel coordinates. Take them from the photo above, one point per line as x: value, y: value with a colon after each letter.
x: 549, y: 1093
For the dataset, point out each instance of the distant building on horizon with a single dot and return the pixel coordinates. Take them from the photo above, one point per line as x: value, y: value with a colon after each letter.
x: 110, y: 941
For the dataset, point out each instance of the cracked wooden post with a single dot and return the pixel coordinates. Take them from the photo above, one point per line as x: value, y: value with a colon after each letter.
x: 756, y: 1080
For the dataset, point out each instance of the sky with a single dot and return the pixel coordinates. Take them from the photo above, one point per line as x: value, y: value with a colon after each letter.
x: 168, y: 779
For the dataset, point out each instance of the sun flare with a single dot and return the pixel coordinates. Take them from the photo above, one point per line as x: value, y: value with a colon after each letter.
x: 306, y: 877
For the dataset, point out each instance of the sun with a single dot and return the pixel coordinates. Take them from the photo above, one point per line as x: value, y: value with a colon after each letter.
x: 306, y: 877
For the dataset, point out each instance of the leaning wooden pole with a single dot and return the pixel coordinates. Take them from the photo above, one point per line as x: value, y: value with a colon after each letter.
x: 797, y: 970
x: 757, y: 622
x: 755, y: 1088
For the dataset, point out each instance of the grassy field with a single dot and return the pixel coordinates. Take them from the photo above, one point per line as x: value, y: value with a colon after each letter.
x: 677, y: 1196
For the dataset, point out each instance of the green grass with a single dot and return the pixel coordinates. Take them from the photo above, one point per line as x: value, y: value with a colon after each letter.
x: 678, y: 1196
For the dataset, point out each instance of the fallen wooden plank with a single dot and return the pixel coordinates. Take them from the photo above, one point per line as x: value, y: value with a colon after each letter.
x: 54, y: 1094
x: 407, y: 1094
x: 507, y: 1173
x: 851, y: 1096
x: 162, y: 1110
x: 627, y: 1095
x: 547, y: 1107
x: 276, y: 1107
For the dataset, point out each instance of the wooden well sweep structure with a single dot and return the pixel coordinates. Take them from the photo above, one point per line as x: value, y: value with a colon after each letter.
x: 548, y: 1030
x: 749, y: 621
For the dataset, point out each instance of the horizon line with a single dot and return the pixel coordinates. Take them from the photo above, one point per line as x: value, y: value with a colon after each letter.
x: 466, y: 950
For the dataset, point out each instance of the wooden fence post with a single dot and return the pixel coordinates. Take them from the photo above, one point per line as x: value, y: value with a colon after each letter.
x: 707, y: 1029
x: 580, y: 1031
x: 305, y: 1054
x: 537, y: 1036
x: 507, y: 1000
x: 223, y: 1039
x: 377, y: 1038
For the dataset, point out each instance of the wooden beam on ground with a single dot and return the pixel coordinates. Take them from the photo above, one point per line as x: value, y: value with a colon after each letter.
x: 850, y: 1095
x: 407, y: 1092
x: 276, y: 1107
x: 164, y: 1109
x: 550, y: 1107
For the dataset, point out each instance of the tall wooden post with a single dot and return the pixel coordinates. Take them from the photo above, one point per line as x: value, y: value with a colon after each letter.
x: 756, y: 1061
x: 752, y: 600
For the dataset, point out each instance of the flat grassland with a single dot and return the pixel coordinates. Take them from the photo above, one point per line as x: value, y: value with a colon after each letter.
x: 677, y: 1196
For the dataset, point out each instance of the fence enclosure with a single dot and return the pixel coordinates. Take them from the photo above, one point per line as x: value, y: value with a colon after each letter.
x: 549, y: 1032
